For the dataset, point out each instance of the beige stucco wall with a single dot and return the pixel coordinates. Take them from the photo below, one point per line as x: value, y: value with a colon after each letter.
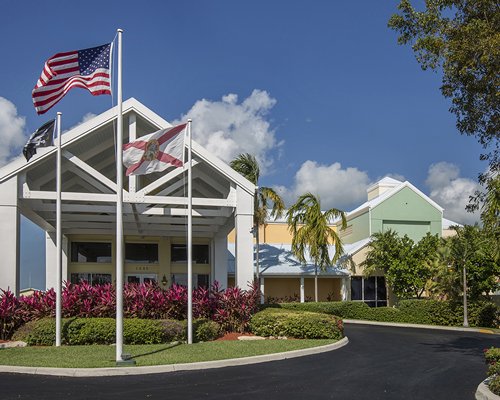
x: 327, y: 288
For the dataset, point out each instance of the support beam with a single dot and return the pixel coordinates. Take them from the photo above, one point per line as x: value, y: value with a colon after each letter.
x: 163, y: 180
x: 89, y: 170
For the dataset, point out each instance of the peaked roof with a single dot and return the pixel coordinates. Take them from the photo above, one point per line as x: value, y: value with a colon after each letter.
x: 87, y: 128
x: 370, y: 204
x: 154, y: 204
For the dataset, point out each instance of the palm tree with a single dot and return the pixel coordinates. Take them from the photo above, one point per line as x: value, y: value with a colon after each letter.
x: 311, y: 231
x: 248, y: 166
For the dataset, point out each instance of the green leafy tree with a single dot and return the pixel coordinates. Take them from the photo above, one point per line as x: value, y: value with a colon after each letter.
x: 461, y: 39
x: 405, y: 264
x: 248, y: 166
x: 312, y: 233
x: 473, y: 248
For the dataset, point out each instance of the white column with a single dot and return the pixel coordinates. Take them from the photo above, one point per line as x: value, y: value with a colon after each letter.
x: 10, y: 234
x: 345, y: 290
x: 244, y: 238
x: 51, y: 259
x: 262, y: 290
x: 220, y: 260
x: 302, y: 291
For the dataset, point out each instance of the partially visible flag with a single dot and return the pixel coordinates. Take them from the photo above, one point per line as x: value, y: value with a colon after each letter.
x: 89, y: 69
x: 42, y: 137
x: 155, y: 152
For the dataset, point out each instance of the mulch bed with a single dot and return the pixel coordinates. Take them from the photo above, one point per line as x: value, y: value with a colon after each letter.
x: 233, y: 336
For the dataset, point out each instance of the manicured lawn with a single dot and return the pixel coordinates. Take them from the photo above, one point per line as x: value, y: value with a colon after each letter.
x: 104, y: 356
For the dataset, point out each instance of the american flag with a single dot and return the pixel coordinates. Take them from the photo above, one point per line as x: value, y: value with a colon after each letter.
x: 88, y: 69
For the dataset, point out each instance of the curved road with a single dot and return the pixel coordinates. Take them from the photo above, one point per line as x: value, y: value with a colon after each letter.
x: 378, y: 363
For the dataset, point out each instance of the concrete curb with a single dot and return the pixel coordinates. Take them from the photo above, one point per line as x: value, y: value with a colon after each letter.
x: 420, y: 326
x: 157, y: 369
x: 484, y: 393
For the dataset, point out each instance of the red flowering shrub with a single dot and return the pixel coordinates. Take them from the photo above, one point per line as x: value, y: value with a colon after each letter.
x: 232, y: 308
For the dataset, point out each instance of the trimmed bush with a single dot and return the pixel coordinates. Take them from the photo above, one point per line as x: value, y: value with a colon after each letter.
x: 342, y: 309
x: 494, y: 385
x: 430, y: 312
x: 296, y: 324
x: 80, y: 331
x: 174, y: 330
x: 143, y: 331
x: 205, y: 330
x: 42, y: 333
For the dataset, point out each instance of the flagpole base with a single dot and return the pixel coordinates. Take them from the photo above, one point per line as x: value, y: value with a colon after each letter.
x: 126, y: 361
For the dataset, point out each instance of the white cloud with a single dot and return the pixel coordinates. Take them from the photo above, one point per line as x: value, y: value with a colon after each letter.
x: 11, y: 130
x: 336, y: 187
x: 227, y: 128
x: 84, y: 119
x: 451, y: 191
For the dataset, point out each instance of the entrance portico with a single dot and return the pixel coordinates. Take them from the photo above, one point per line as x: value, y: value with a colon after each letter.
x: 154, y: 210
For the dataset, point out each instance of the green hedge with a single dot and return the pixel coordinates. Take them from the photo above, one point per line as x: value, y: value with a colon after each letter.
x: 431, y: 312
x: 296, y: 324
x: 84, y: 331
x: 342, y: 309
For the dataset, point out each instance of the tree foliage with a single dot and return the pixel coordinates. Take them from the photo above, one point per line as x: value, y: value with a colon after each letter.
x: 474, y: 249
x: 312, y: 232
x: 248, y: 166
x: 461, y: 39
x: 404, y: 262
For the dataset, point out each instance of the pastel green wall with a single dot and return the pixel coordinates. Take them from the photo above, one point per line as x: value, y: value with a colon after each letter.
x: 360, y: 229
x: 407, y: 213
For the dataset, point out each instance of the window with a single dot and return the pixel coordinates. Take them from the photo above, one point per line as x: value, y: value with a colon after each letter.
x: 199, y: 280
x: 141, y: 278
x: 146, y: 253
x: 93, y: 279
x: 90, y: 252
x: 371, y: 290
x: 200, y: 253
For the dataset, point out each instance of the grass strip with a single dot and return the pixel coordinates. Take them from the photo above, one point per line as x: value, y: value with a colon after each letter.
x: 99, y: 356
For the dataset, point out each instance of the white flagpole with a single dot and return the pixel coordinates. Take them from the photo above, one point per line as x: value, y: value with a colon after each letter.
x: 190, y: 244
x: 58, y: 235
x: 119, y: 208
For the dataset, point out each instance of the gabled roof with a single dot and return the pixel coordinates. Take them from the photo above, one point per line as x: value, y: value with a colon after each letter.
x: 87, y: 128
x: 370, y: 204
x: 154, y: 204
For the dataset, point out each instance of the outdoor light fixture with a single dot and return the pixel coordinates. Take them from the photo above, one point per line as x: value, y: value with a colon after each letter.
x: 164, y: 280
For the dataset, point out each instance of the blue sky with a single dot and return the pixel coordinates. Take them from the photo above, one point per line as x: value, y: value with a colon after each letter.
x: 318, y: 90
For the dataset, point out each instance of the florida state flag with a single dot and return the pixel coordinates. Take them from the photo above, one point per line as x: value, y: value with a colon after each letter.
x: 155, y: 152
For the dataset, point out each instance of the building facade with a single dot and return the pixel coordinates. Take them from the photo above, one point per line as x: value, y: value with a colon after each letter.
x: 154, y: 210
x: 390, y: 204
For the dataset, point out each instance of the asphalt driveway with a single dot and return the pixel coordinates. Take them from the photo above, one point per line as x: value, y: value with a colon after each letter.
x: 378, y: 363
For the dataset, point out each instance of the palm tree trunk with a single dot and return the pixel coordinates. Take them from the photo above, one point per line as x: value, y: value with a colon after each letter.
x: 316, y: 283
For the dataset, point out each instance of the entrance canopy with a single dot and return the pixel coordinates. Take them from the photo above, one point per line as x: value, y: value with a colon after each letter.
x: 154, y: 204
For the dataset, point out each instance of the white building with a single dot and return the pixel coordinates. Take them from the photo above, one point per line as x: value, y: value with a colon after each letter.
x: 154, y: 215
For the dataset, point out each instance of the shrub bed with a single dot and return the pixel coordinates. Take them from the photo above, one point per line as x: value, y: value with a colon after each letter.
x: 431, y: 312
x: 231, y: 308
x: 296, y: 324
x: 492, y: 357
x: 85, y: 331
